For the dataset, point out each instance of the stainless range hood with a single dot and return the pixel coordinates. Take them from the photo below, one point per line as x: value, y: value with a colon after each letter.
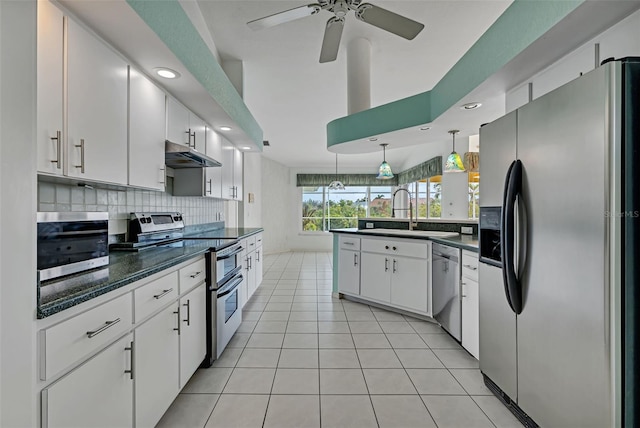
x: 178, y: 156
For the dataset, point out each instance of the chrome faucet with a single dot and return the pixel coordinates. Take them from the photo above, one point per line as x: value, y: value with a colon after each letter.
x: 410, y: 209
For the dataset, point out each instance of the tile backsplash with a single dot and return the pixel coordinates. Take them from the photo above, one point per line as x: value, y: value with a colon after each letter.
x: 119, y: 203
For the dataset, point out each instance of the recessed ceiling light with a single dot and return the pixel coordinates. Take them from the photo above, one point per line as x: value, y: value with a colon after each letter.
x: 225, y: 128
x: 373, y: 139
x: 470, y: 106
x: 425, y: 128
x: 167, y: 73
x: 246, y: 148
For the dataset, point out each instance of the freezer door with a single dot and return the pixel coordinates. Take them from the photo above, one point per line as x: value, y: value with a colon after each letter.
x: 497, y: 151
x: 497, y: 331
x: 563, y: 355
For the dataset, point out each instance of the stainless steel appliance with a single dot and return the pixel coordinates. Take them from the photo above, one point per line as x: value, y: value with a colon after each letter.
x: 71, y: 242
x: 445, y: 285
x: 558, y: 251
x: 224, y: 315
x: 148, y: 230
x: 178, y: 156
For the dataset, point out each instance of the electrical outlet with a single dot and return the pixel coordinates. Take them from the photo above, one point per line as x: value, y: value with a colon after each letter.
x: 369, y: 225
x: 466, y: 230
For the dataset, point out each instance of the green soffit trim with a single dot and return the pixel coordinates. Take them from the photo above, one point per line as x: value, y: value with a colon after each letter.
x: 518, y: 27
x: 169, y: 21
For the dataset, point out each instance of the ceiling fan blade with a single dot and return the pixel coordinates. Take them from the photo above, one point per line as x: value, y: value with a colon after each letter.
x: 389, y: 21
x: 331, y: 41
x: 282, y: 17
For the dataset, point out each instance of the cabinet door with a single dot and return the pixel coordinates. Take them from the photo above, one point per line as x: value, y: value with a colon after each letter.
x: 243, y: 294
x: 228, y: 190
x: 258, y: 267
x: 193, y: 337
x: 50, y: 84
x: 146, y: 132
x: 213, y: 179
x: 409, y: 283
x: 97, y: 394
x: 238, y: 158
x: 156, y: 366
x: 471, y: 317
x: 349, y: 272
x: 375, y: 277
x: 96, y: 109
x: 198, y: 133
x: 251, y: 274
x: 177, y: 123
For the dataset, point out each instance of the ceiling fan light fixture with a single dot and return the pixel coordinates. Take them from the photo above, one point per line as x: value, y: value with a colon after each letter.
x: 454, y: 161
x: 384, y: 171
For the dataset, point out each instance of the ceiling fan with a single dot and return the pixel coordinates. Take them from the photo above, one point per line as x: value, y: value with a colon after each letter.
x: 365, y: 12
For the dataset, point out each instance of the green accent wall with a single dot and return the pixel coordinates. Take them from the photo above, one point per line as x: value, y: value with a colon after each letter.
x: 170, y: 22
x: 519, y: 26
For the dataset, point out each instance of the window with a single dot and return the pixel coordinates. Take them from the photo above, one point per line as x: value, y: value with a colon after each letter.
x: 427, y: 195
x: 474, y: 195
x: 324, y: 209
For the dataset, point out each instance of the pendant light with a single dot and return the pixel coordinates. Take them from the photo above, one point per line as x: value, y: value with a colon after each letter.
x: 384, y: 172
x: 336, y: 184
x: 454, y: 162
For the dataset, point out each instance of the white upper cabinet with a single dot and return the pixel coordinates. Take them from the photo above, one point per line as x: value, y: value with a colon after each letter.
x: 213, y: 176
x: 146, y: 133
x: 50, y: 93
x: 232, y: 164
x: 96, y: 109
x: 238, y: 158
x: 184, y: 127
x: 177, y: 123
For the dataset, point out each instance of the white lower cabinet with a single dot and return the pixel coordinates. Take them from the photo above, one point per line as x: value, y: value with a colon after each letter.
x: 387, y: 275
x: 193, y: 332
x: 349, y: 265
x: 156, y: 366
x: 99, y: 393
x: 258, y: 268
x: 470, y: 304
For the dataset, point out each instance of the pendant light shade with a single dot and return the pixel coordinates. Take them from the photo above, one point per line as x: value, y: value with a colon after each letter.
x: 336, y: 184
x: 454, y: 161
x: 384, y: 172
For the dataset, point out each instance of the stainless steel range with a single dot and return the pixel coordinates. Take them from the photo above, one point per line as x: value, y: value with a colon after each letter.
x: 224, y: 271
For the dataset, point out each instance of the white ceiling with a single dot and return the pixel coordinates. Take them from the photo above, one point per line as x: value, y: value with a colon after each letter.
x: 293, y: 96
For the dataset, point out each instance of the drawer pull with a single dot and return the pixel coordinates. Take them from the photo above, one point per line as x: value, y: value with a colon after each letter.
x: 471, y: 267
x: 195, y: 275
x: 164, y: 293
x: 106, y: 325
x: 349, y: 243
x: 130, y: 371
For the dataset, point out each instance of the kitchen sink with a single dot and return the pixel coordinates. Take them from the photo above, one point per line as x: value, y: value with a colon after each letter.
x: 403, y: 232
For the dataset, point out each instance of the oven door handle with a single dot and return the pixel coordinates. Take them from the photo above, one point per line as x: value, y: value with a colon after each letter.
x: 229, y: 287
x: 231, y: 254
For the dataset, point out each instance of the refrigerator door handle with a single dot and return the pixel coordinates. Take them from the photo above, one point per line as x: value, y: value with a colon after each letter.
x: 513, y: 188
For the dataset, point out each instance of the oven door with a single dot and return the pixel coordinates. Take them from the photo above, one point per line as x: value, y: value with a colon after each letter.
x: 229, y: 313
x: 228, y: 265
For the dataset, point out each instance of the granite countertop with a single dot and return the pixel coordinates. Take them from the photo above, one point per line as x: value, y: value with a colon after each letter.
x: 127, y: 267
x: 465, y: 242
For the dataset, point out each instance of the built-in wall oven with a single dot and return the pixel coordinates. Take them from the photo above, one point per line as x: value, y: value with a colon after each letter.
x: 224, y: 313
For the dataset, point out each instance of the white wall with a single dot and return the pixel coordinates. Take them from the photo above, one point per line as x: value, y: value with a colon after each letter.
x: 17, y: 213
x: 276, y: 201
x: 251, y: 212
x: 621, y: 40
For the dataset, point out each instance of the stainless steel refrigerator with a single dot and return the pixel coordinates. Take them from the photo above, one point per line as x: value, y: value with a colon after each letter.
x: 558, y: 238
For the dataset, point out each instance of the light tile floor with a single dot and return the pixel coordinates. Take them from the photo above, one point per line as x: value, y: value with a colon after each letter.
x: 304, y: 359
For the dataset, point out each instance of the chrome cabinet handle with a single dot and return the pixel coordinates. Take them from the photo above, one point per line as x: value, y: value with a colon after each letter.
x: 209, y: 181
x: 470, y: 267
x: 161, y: 295
x: 81, y: 145
x: 188, y: 132
x: 395, y: 265
x: 349, y: 243
x: 188, y: 320
x: 386, y: 264
x: 58, y: 139
x: 247, y: 262
x: 231, y: 192
x: 194, y: 139
x: 130, y: 371
x: 106, y: 325
x: 355, y: 259
x: 195, y: 275
x: 257, y: 255
x: 462, y: 294
x: 163, y: 176
x: 250, y: 262
x: 177, y: 312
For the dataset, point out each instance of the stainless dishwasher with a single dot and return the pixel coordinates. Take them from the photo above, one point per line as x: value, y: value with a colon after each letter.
x: 445, y: 288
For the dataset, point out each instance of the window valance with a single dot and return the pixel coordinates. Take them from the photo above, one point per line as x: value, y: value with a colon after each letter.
x: 427, y: 169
